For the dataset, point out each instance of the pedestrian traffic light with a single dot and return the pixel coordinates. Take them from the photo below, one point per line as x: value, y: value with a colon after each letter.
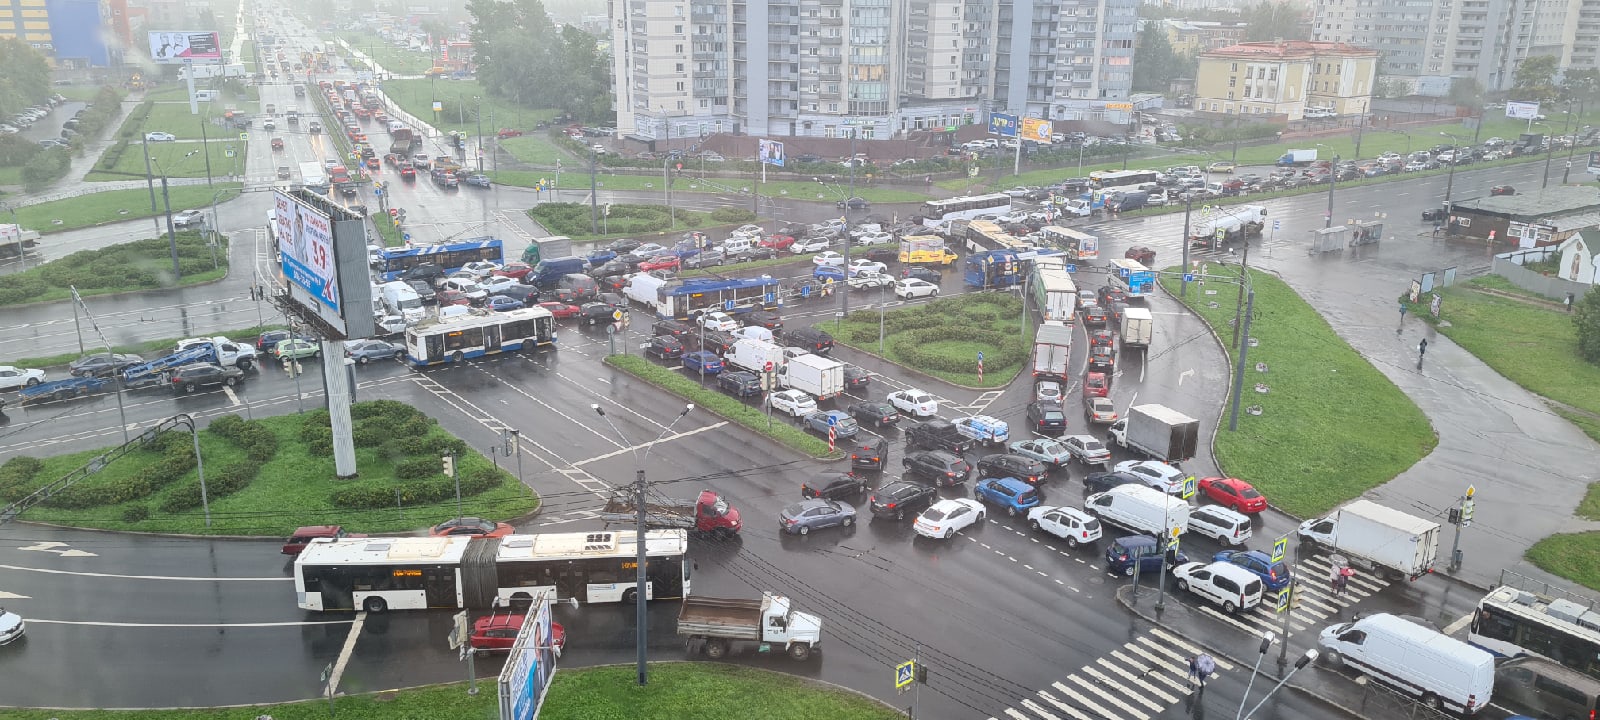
x: 1455, y: 516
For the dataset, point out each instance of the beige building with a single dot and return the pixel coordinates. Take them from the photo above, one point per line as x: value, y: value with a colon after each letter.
x: 1286, y: 79
x: 1195, y: 36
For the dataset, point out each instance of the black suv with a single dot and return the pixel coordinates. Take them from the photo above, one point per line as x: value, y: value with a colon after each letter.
x: 665, y: 347
x: 944, y: 468
x: 937, y: 435
x: 189, y: 378
x: 1046, y: 415
x: 834, y: 486
x: 671, y: 327
x: 1102, y: 481
x: 596, y: 313
x: 901, y: 498
x: 811, y: 339
x: 739, y: 383
x: 870, y: 454
x: 764, y: 318
x: 876, y: 412
x: 1011, y: 465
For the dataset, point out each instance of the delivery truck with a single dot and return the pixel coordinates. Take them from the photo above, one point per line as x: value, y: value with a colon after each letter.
x: 1298, y: 158
x: 1375, y: 538
x: 1052, y: 349
x: 1159, y: 432
x: 1138, y: 327
x: 708, y: 514
x: 756, y: 356
x: 17, y: 240
x: 818, y: 376
x: 715, y: 624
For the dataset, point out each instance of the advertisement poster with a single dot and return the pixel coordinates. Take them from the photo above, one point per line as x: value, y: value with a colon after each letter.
x: 1036, y: 130
x: 305, y: 240
x: 770, y: 152
x: 1522, y: 110
x: 175, y: 48
x: 1002, y: 125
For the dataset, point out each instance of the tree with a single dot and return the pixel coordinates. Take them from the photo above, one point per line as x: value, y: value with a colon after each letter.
x: 1466, y: 92
x: 1535, y: 79
x: 1580, y: 84
x: 1274, y: 21
x: 522, y: 57
x: 1389, y: 88
x: 1586, y: 318
x: 1155, y: 64
x: 26, y: 79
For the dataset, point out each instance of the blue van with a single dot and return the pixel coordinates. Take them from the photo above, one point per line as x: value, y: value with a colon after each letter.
x: 549, y: 271
x: 1125, y: 553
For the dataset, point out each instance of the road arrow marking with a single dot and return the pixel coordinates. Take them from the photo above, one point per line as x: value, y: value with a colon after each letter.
x: 1183, y: 375
x: 49, y: 546
x: 13, y: 596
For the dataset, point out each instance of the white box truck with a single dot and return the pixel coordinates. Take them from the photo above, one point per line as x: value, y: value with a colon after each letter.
x: 399, y: 298
x: 1159, y: 432
x: 755, y: 355
x: 1052, y: 349
x: 715, y: 624
x: 821, y: 377
x: 1377, y: 539
x: 1138, y: 327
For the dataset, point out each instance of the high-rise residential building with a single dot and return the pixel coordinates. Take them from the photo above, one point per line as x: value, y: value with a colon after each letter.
x: 1425, y: 47
x: 868, y: 68
x: 70, y: 33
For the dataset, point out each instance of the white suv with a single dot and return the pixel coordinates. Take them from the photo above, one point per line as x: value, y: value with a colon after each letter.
x: 1223, y: 583
x: 1221, y: 524
x: 1158, y: 475
x: 793, y: 402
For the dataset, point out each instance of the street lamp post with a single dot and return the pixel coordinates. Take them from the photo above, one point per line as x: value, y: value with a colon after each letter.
x: 172, y: 234
x: 1266, y: 643
x: 1450, y: 182
x: 1304, y: 660
x: 1333, y: 181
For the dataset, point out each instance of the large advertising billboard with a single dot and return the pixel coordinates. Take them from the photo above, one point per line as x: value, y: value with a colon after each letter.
x: 525, y: 678
x: 770, y: 152
x: 323, y: 254
x: 305, y: 242
x: 1522, y: 110
x: 177, y: 48
x: 1002, y: 124
x: 1036, y: 130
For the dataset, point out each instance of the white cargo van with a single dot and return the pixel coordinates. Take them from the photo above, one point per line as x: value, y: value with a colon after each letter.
x: 754, y: 355
x: 1443, y: 672
x: 1140, y: 508
x: 399, y: 298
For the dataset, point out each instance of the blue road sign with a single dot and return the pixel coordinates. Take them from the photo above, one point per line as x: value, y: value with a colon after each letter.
x: 1277, y: 224
x: 1188, y: 277
x: 1122, y: 271
x: 833, y: 420
x: 904, y: 672
x: 405, y: 236
x: 772, y: 297
x: 805, y: 291
x: 377, y: 192
x: 1072, y: 267
x: 980, y: 356
x: 1280, y: 548
x: 728, y: 306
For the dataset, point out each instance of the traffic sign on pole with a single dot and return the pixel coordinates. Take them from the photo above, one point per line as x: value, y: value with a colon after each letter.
x: 1283, y: 600
x: 1188, y: 277
x: 727, y: 305
x: 1280, y: 549
x: 1072, y: 267
x: 904, y: 673
x: 1188, y: 487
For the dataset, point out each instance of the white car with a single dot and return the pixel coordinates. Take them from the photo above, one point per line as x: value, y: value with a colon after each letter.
x: 1087, y: 299
x: 755, y: 230
x: 1047, y: 390
x: 810, y: 245
x: 863, y: 282
x: 470, y: 288
x: 1158, y: 475
x: 828, y: 258
x: 11, y: 626
x: 793, y: 402
x: 1070, y: 524
x: 160, y: 137
x: 269, y: 124
x: 874, y: 238
x: 914, y: 402
x: 188, y: 217
x: 481, y: 268
x: 914, y: 288
x: 942, y: 519
x: 718, y: 321
x: 390, y: 325
x: 12, y: 378
x: 1220, y: 582
x: 867, y: 267
x: 646, y: 251
x: 1087, y: 449
x: 492, y: 285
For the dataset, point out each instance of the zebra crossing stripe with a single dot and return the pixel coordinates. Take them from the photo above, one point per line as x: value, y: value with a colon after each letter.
x: 1175, y: 640
x: 1136, y: 680
x: 1068, y: 709
x: 1105, y: 679
x: 1229, y: 620
x: 1031, y: 705
x: 1153, y: 673
x: 1081, y: 700
x: 1161, y: 663
x: 1013, y: 713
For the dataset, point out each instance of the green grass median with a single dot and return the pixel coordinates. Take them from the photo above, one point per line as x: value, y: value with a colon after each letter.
x: 752, y: 417
x: 1330, y: 426
x: 124, y: 267
x: 943, y: 338
x: 677, y: 691
x: 118, y: 205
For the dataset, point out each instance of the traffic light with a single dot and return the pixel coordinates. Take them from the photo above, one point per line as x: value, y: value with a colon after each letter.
x: 449, y: 466
x: 1455, y: 516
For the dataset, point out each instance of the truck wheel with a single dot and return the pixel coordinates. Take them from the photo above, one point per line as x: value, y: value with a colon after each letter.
x: 715, y: 649
x: 245, y: 364
x: 799, y: 652
x: 375, y: 605
x: 630, y: 596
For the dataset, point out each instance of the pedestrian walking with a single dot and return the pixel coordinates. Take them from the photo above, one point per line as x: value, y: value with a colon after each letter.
x: 1333, y: 580
x: 1343, y: 583
x: 1200, y: 667
x: 1422, y: 351
x: 1568, y: 302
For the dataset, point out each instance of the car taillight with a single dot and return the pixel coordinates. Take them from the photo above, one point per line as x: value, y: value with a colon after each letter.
x: 788, y: 521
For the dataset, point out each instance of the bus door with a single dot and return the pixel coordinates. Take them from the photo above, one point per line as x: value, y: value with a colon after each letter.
x: 433, y: 345
x: 439, y: 587
x: 491, y: 339
x: 572, y: 582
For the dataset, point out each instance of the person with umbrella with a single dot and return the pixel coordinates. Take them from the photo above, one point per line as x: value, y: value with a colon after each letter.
x: 1200, y: 667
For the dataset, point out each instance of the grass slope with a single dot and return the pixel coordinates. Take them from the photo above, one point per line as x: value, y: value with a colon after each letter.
x: 1332, y: 426
x: 117, y: 205
x: 752, y: 417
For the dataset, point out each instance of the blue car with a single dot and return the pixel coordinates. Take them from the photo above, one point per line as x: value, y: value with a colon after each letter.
x: 1138, y: 554
x: 702, y: 361
x: 828, y: 272
x: 807, y: 515
x: 1274, y: 575
x: 844, y: 426
x: 501, y: 303
x: 601, y: 257
x: 1012, y: 494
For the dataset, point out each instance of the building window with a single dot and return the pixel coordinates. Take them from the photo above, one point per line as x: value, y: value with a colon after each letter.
x: 677, y: 29
x: 1233, y: 68
x: 1249, y: 73
x: 1274, y: 74
x: 680, y: 87
x: 680, y: 65
x: 1233, y: 81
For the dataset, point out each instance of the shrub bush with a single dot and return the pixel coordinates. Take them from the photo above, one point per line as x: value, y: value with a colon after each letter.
x: 321, y: 446
x: 369, y: 434
x: 17, y: 477
x: 258, y: 443
x: 135, y: 513
x: 231, y: 479
x: 573, y: 218
x: 139, y: 265
x: 417, y: 468
x: 88, y: 494
x: 732, y: 215
x: 17, y: 150
x: 45, y: 168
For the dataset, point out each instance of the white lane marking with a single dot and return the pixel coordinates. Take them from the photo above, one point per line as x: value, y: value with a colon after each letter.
x: 345, y: 652
x: 144, y: 577
x: 1108, y: 697
x: 13, y: 596
x: 1175, y: 640
x: 1106, y: 679
x: 233, y: 399
x: 1039, y: 710
x: 1456, y: 626
x: 1157, y: 665
x: 570, y: 419
x: 1135, y: 679
x: 52, y: 547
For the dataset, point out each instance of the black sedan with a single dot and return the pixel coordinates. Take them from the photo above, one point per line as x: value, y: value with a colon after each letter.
x: 924, y: 274
x: 1102, y: 359
x: 596, y: 313
x: 1094, y: 316
x: 1102, y: 481
x: 833, y: 486
x: 764, y: 318
x: 856, y: 378
x: 855, y: 203
x: 102, y: 364
x: 901, y: 498
x: 1046, y: 415
x: 664, y: 347
x: 425, y: 291
x: 1021, y: 467
x: 877, y: 412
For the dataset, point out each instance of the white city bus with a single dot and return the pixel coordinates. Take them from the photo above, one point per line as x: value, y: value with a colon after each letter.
x: 1512, y: 623
x: 938, y: 212
x: 478, y: 333
x: 410, y: 573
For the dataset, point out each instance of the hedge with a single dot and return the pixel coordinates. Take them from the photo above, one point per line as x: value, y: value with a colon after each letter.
x: 17, y: 477
x: 230, y: 479
x: 45, y: 168
x: 139, y: 265
x: 259, y: 443
x: 177, y: 460
x: 370, y: 494
x: 911, y: 348
x: 627, y: 219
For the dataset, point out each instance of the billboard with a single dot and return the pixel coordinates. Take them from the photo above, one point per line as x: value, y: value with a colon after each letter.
x: 323, y: 256
x: 770, y: 152
x: 1002, y: 124
x: 1036, y: 130
x: 1522, y: 110
x: 177, y: 48
x: 527, y: 672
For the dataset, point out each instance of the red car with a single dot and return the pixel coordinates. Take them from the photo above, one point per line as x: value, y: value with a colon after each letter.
x: 451, y: 297
x: 277, y: 143
x: 777, y: 242
x: 660, y: 262
x: 470, y: 527
x: 508, y: 133
x: 560, y: 310
x: 407, y: 172
x: 304, y: 535
x: 1096, y: 385
x: 498, y: 632
x: 1233, y: 493
x: 517, y: 270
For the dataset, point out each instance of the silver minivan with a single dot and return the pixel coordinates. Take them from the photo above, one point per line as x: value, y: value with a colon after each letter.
x: 1541, y: 688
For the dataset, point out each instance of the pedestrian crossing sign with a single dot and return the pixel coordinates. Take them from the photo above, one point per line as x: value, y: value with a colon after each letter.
x: 1188, y: 487
x: 1280, y: 548
x: 904, y: 673
x: 1283, y: 600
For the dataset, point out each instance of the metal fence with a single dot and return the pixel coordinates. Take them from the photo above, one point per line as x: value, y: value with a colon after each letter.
x: 1509, y: 265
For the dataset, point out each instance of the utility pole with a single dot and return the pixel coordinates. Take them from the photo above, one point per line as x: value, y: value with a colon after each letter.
x: 641, y: 619
x: 594, y: 194
x: 1188, y: 206
x: 172, y: 235
x: 1244, y: 278
x: 1244, y: 350
x: 1333, y: 180
x: 478, y: 110
x: 844, y: 291
x: 149, y: 181
x: 1461, y: 516
x: 205, y: 142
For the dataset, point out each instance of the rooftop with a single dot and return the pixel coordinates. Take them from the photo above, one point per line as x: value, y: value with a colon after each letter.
x: 1536, y: 204
x: 1290, y: 49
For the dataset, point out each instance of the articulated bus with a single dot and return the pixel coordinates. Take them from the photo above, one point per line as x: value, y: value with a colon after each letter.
x: 450, y: 257
x: 412, y: 573
x: 1075, y: 244
x: 478, y: 333
x: 938, y: 212
x: 1512, y: 622
x: 1110, y: 179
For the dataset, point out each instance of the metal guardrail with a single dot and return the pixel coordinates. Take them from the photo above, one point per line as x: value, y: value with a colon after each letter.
x: 10, y: 512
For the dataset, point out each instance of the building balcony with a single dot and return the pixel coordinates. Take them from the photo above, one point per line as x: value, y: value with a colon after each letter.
x: 832, y: 21
x: 831, y: 77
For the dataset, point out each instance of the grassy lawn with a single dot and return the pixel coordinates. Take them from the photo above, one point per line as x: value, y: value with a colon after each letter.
x: 295, y: 486
x: 147, y: 348
x: 535, y: 150
x: 943, y: 338
x: 393, y: 59
x: 416, y: 96
x: 751, y: 416
x: 11, y: 175
x: 1574, y: 556
x: 80, y: 93
x: 644, y: 222
x: 1332, y: 426
x: 175, y: 160
x: 116, y: 206
x: 677, y: 690
x: 174, y: 117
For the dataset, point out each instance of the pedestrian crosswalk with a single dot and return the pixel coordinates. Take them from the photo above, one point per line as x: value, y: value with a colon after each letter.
x: 1138, y: 680
x: 1314, y: 601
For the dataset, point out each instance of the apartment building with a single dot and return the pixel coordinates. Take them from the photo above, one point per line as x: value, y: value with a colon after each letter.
x: 68, y: 32
x: 868, y: 68
x: 1194, y: 36
x: 1286, y: 78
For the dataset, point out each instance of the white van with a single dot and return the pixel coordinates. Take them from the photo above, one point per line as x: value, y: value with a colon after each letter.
x: 754, y: 355
x: 1445, y: 673
x: 1140, y: 508
x: 1234, y: 588
x: 399, y: 298
x: 739, y: 244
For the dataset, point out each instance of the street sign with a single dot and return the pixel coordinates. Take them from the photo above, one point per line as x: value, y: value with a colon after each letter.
x: 405, y: 236
x: 1277, y: 224
x: 244, y: 137
x: 376, y: 192
x: 1188, y: 487
x: 980, y: 356
x: 805, y: 291
x: 1072, y: 267
x: 1283, y: 600
x: 1122, y: 271
x: 616, y: 315
x: 228, y: 152
x: 833, y: 420
x: 903, y: 673
x: 1280, y: 549
x: 768, y: 368
x: 1188, y: 277
x: 728, y: 305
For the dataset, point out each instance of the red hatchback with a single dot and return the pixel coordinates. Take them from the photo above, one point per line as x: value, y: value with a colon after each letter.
x: 1096, y: 385
x: 777, y: 242
x: 561, y: 310
x: 516, y: 270
x: 304, y: 535
x: 660, y: 262
x: 470, y: 527
x: 1233, y: 493
x: 498, y: 632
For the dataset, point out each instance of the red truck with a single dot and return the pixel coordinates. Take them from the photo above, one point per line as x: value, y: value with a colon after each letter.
x: 707, y: 514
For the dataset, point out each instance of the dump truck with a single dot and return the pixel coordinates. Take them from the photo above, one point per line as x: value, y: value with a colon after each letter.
x: 717, y: 623
x: 1052, y: 349
x: 1159, y: 432
x: 1377, y: 539
x: 17, y: 240
x: 708, y: 514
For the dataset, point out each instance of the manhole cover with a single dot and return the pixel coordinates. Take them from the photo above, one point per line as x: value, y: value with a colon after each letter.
x: 1253, y: 409
x: 1096, y: 579
x: 1261, y: 388
x: 1261, y: 367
